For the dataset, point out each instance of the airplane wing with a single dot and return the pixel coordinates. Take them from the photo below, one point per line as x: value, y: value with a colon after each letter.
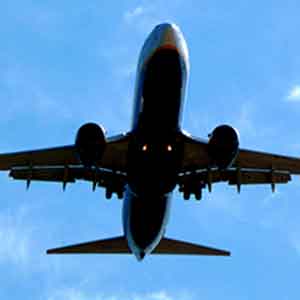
x: 261, y: 160
x: 195, y: 153
x: 250, y: 167
x: 61, y: 164
x: 114, y: 157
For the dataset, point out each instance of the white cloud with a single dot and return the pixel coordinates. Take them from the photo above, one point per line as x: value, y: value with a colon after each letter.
x: 14, y: 239
x: 294, y: 94
x: 21, y: 241
x: 71, y: 294
x: 295, y: 241
x: 24, y: 92
x: 145, y: 17
x: 130, y: 15
x: 245, y: 122
x: 77, y: 294
x: 161, y: 295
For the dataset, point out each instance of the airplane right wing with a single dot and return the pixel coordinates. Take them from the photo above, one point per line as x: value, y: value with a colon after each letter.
x: 114, y: 156
x: 65, y: 155
x: 112, y: 181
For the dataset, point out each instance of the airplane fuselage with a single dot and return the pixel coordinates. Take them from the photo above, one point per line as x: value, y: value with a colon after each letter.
x: 154, y: 154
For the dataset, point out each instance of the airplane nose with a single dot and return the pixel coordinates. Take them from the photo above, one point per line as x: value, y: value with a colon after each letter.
x: 166, y: 27
x: 168, y: 33
x: 164, y: 35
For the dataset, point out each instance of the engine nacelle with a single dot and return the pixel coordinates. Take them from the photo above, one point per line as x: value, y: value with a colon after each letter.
x: 223, y: 146
x: 90, y: 143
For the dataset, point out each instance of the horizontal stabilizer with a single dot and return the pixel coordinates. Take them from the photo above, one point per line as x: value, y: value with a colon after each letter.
x: 118, y: 245
x: 115, y: 245
x: 170, y: 246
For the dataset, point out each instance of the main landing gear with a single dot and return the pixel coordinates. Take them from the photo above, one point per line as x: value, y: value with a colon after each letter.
x: 192, y: 188
x: 119, y: 192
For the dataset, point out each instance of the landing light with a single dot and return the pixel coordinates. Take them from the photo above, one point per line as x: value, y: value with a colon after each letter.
x: 145, y: 147
x: 169, y: 148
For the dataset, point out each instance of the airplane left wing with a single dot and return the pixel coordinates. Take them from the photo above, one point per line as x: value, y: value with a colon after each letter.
x: 196, y: 157
x: 260, y: 160
x: 250, y: 167
x: 195, y: 154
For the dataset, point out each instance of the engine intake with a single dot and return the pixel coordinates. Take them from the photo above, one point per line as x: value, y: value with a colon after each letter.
x: 223, y: 146
x: 90, y: 143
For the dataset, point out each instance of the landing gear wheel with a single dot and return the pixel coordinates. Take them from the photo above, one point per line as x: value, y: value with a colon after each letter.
x: 120, y: 194
x: 186, y: 195
x: 108, y: 194
x: 198, y: 195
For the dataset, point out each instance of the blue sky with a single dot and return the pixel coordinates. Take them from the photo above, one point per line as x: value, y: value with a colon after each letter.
x: 63, y: 63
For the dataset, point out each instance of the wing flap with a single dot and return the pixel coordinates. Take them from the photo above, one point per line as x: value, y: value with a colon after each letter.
x: 42, y: 174
x: 233, y: 177
x: 116, y: 245
x: 170, y: 246
x: 100, y: 177
x: 258, y: 177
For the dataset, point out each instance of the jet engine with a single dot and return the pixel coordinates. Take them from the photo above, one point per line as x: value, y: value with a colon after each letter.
x: 223, y: 146
x: 90, y: 143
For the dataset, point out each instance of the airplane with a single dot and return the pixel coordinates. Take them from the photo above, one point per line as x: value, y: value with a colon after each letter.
x: 146, y: 164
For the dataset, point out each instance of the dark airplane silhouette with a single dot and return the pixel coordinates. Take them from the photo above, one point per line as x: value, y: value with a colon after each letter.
x: 146, y: 164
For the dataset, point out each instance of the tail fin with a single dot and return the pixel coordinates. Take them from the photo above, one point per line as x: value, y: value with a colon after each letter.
x: 170, y: 246
x: 115, y: 245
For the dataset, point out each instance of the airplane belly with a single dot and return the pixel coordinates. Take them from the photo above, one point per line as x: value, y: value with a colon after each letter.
x: 160, y: 92
x: 153, y: 163
x: 145, y: 219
